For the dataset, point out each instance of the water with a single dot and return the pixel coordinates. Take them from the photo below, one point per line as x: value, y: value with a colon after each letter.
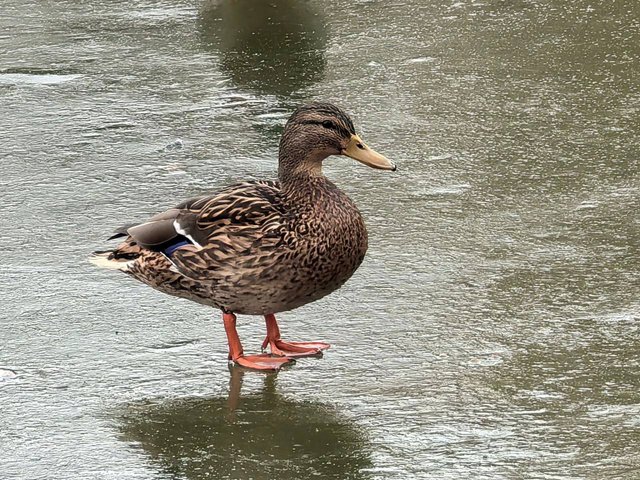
x: 492, y: 331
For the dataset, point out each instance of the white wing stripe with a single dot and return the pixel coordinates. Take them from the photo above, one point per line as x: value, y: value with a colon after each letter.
x: 183, y: 232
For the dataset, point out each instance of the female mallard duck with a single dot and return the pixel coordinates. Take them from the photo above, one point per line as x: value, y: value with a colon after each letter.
x: 262, y: 247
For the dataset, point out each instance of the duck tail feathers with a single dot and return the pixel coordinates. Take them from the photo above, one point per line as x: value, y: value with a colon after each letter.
x: 107, y: 259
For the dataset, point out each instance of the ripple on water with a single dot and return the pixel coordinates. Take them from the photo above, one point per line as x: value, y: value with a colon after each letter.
x: 36, y: 79
x: 7, y: 374
x: 456, y: 189
x: 174, y: 344
x: 421, y: 60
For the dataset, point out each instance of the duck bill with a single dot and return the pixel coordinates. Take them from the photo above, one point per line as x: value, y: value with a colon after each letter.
x: 358, y: 150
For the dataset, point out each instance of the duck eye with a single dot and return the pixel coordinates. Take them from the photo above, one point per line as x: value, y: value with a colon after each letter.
x: 328, y: 124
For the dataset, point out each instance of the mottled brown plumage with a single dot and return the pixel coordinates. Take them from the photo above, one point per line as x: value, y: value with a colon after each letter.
x: 260, y: 247
x: 260, y: 254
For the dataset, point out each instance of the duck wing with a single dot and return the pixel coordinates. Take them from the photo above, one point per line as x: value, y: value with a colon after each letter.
x: 205, y: 236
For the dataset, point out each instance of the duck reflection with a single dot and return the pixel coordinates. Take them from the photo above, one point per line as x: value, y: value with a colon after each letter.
x: 274, y: 47
x: 258, y: 436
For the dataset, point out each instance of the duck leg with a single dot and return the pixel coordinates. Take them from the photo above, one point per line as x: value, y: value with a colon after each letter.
x: 288, y: 349
x: 261, y: 361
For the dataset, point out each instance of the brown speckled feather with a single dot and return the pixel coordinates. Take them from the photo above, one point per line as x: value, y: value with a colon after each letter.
x: 259, y: 255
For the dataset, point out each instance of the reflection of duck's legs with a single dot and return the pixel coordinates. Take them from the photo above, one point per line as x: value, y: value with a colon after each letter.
x: 289, y: 349
x: 258, y: 362
x: 235, y: 388
x: 236, y: 376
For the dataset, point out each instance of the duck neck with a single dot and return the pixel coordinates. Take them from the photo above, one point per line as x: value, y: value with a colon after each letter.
x: 300, y: 174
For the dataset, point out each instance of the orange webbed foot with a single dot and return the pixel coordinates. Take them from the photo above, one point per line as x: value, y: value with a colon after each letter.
x: 289, y: 349
x: 296, y: 349
x: 261, y: 362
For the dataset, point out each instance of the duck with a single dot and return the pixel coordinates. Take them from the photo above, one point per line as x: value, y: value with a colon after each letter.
x: 260, y: 247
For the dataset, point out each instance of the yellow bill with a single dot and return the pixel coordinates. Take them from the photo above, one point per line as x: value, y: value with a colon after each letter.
x: 359, y: 151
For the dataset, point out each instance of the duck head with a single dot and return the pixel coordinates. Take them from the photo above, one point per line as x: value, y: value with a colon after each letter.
x: 318, y: 130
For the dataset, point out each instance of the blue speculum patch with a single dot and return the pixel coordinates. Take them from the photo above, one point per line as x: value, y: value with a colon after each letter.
x: 172, y: 248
